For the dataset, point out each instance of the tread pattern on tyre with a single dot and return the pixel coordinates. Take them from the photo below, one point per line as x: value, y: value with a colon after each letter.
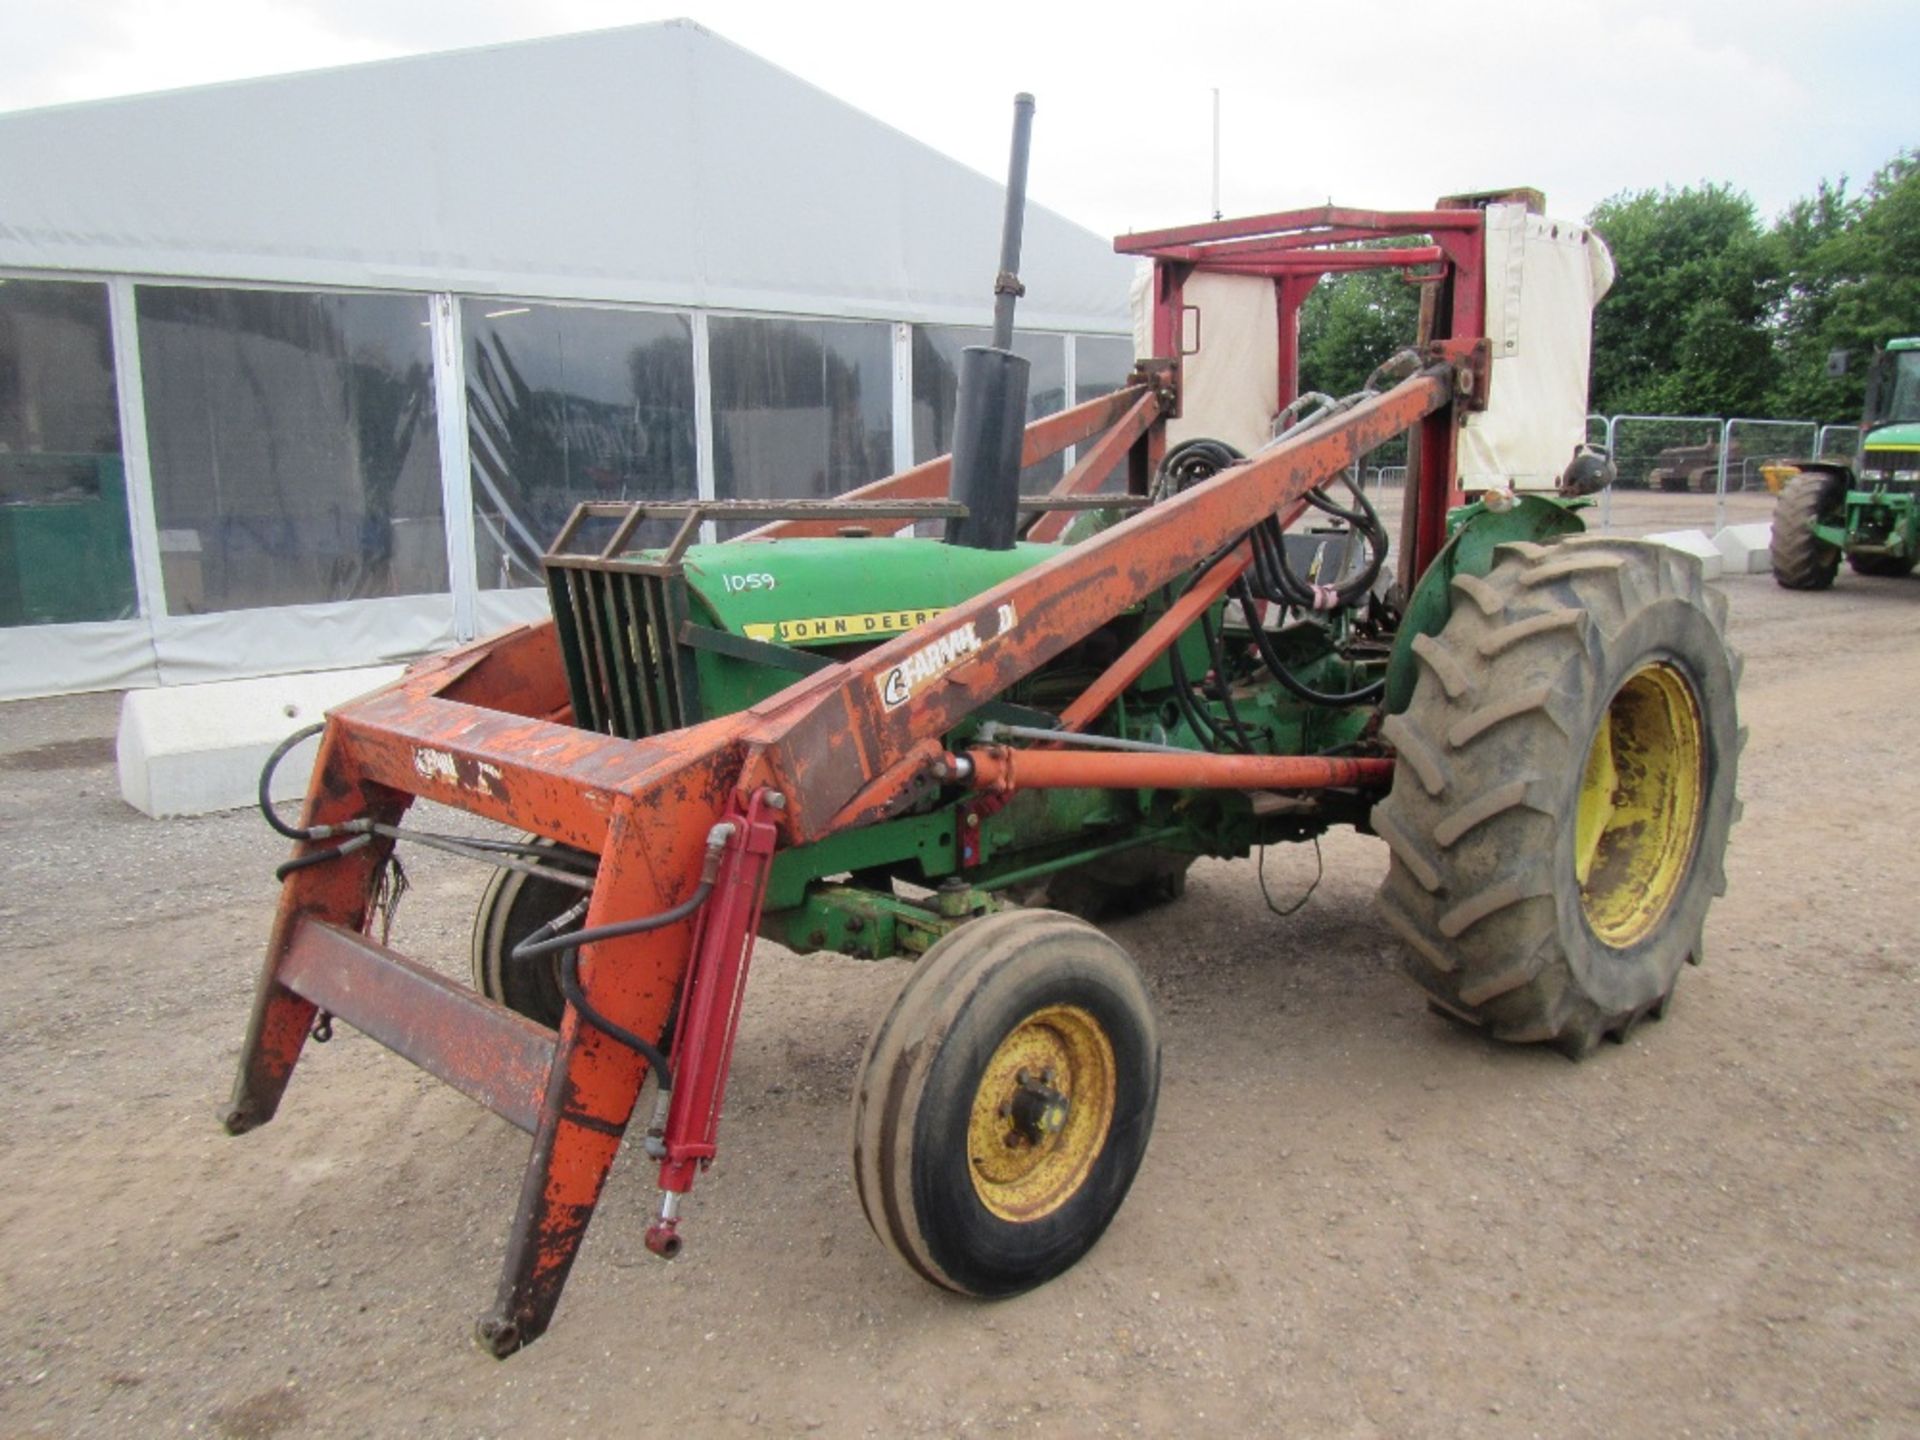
x: 904, y: 1047
x: 1493, y: 745
x: 1801, y: 559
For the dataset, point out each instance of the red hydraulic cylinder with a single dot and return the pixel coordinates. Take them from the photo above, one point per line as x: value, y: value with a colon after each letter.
x: 710, y: 1017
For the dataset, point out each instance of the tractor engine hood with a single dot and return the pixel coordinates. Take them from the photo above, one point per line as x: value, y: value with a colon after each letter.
x: 821, y: 592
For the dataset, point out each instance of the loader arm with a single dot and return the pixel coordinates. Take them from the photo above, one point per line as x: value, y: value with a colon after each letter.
x: 844, y: 751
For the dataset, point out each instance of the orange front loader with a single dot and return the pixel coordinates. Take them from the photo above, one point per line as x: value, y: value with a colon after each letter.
x: 487, y: 729
x: 1008, y: 1096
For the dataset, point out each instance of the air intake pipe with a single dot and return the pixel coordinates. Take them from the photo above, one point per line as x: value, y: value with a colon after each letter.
x: 990, y: 417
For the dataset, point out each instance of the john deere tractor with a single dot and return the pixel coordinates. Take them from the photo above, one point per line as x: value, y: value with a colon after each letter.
x: 850, y: 738
x: 1868, y: 511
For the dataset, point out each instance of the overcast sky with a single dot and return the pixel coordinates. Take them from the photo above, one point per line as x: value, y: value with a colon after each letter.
x: 1382, y: 103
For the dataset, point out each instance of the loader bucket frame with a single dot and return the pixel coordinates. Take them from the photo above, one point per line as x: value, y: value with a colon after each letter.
x: 487, y: 729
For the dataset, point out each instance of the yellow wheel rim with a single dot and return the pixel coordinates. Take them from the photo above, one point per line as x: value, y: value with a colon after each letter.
x: 1041, y: 1113
x: 1640, y: 803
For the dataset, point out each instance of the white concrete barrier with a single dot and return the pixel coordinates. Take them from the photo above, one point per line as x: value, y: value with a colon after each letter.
x: 195, y: 749
x: 1746, y: 548
x: 1696, y: 544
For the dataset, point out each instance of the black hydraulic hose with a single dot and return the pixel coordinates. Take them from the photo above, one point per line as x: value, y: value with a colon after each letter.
x: 1193, y: 461
x: 1218, y: 652
x: 577, y: 997
x: 1203, y: 725
x: 280, y: 752
x: 1277, y: 667
x: 362, y: 830
x: 1282, y: 585
x: 532, y: 948
x: 545, y: 941
x: 321, y: 857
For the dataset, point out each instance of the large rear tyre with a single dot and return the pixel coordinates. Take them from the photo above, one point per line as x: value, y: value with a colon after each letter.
x: 1126, y: 883
x: 512, y: 907
x: 1801, y: 559
x: 1564, y: 789
x: 1006, y: 1101
x: 1887, y: 567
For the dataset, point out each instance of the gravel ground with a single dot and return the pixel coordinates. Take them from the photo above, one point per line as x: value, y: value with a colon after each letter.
x: 1354, y: 1220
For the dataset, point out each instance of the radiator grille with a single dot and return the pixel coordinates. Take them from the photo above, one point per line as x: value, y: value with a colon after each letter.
x: 616, y: 630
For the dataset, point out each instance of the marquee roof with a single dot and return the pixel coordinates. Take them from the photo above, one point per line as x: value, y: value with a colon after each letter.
x: 655, y: 164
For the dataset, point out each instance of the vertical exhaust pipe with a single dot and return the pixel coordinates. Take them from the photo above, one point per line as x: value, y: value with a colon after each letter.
x: 990, y: 417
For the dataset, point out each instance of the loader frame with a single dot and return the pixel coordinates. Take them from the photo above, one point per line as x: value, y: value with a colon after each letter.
x: 698, y: 812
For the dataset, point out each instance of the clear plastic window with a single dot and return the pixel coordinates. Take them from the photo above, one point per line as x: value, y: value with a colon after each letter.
x: 802, y: 409
x: 66, y: 554
x: 294, y: 452
x: 567, y: 404
x: 936, y: 389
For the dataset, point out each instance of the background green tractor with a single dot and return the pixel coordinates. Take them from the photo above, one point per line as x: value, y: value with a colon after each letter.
x: 1868, y: 511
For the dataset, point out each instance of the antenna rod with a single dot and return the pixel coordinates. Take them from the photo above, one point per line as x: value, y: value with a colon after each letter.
x: 1216, y: 152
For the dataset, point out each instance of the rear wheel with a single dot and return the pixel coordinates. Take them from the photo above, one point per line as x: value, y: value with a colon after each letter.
x: 1122, y: 884
x: 1564, y: 790
x: 1801, y: 559
x: 1006, y: 1102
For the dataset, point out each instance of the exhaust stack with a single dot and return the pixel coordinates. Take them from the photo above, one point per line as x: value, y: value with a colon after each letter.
x: 990, y: 417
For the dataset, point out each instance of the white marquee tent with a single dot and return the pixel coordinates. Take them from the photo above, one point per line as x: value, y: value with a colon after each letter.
x: 301, y: 372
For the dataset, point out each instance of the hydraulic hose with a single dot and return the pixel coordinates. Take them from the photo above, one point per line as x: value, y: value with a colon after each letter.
x: 1215, y: 649
x: 557, y: 865
x: 280, y: 752
x: 546, y: 941
x: 1277, y: 667
x: 532, y: 949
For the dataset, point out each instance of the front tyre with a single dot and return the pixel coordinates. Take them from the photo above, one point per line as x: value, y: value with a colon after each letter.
x: 1886, y: 567
x: 512, y: 907
x: 1564, y: 790
x: 1801, y: 559
x: 1006, y: 1101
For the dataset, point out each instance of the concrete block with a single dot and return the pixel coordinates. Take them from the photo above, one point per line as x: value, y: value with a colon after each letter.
x: 195, y: 749
x: 1696, y: 544
x: 1746, y: 548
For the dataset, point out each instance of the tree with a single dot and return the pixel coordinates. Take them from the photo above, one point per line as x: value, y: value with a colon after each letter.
x: 1350, y: 323
x: 1684, y: 330
x: 1853, y: 283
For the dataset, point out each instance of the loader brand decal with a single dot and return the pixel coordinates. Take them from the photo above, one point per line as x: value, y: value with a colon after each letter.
x: 933, y: 660
x: 435, y: 765
x: 440, y: 767
x: 832, y: 629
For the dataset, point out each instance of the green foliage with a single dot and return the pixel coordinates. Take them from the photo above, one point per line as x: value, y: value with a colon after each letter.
x: 1349, y: 324
x: 1684, y: 329
x: 1713, y: 315
x: 1853, y: 267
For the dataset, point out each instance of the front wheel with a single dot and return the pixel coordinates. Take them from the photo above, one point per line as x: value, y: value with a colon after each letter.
x: 1006, y: 1101
x: 513, y: 906
x: 1564, y: 789
x: 1801, y: 559
x: 1886, y: 567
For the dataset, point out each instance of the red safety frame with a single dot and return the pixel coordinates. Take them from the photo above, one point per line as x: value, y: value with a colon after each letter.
x: 1296, y: 250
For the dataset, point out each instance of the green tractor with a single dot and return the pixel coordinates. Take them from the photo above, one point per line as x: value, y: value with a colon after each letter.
x: 1869, y: 511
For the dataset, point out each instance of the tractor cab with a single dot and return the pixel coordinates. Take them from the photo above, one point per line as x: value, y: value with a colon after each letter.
x: 1890, y: 424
